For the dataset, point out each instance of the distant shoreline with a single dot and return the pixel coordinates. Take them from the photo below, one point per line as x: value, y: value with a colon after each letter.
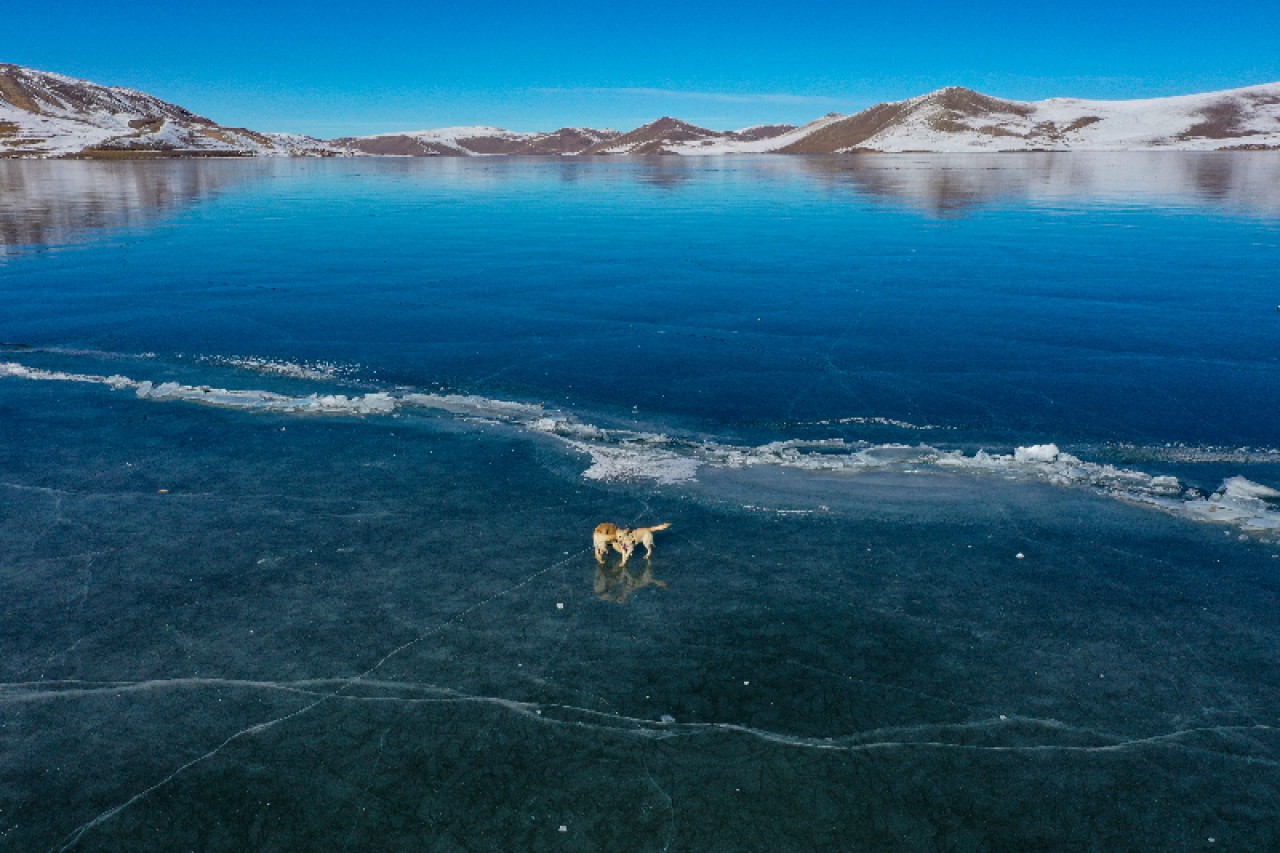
x: 44, y: 115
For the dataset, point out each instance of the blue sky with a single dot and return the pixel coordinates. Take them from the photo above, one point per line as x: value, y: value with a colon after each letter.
x: 337, y: 68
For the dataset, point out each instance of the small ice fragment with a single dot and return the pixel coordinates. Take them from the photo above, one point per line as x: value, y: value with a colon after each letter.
x: 559, y: 605
x: 666, y: 718
x: 1020, y: 555
x: 564, y: 828
x: 746, y: 683
x: 1036, y: 453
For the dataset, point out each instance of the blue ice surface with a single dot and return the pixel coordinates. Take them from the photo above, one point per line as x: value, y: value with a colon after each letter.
x: 229, y: 629
x: 992, y: 295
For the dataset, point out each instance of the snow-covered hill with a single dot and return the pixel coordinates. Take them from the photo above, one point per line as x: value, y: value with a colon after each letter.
x: 671, y: 135
x: 51, y: 115
x: 658, y: 137
x: 477, y: 141
x: 956, y: 119
x: 948, y: 120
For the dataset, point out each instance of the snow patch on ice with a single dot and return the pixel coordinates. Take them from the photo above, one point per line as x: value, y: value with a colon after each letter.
x: 315, y: 370
x: 637, y: 462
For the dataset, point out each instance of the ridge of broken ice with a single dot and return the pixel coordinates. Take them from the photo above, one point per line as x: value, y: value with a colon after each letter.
x: 629, y: 455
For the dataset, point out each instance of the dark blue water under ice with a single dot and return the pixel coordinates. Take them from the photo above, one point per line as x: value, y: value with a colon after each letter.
x: 970, y: 463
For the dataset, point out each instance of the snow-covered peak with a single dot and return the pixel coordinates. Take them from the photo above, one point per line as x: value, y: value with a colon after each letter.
x: 44, y: 114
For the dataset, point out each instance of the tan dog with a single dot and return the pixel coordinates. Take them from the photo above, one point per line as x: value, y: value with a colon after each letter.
x: 626, y: 540
x: 602, y: 537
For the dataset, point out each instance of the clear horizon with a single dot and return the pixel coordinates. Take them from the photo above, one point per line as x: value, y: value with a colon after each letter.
x: 323, y: 70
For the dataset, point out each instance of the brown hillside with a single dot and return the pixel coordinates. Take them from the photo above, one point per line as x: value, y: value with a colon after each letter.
x: 764, y: 131
x: 567, y: 140
x: 653, y: 137
x: 850, y: 132
x: 944, y: 110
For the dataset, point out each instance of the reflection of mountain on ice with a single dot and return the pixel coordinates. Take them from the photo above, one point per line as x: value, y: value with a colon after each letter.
x: 625, y: 455
x: 949, y: 184
x: 50, y: 203
x: 47, y: 203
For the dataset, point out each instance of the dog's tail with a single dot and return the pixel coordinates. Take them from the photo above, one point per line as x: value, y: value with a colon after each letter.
x: 662, y: 526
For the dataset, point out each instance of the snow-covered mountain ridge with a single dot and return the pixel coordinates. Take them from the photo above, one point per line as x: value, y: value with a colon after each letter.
x: 957, y: 119
x: 472, y: 141
x: 50, y: 115
x: 953, y: 119
x: 43, y: 114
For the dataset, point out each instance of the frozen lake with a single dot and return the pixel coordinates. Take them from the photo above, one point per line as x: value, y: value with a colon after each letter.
x: 970, y: 464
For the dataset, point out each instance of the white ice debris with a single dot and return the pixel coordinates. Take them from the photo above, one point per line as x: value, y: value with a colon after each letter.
x: 469, y: 404
x: 1239, y: 502
x: 637, y: 462
x: 316, y: 370
x: 1036, y: 453
x: 628, y: 455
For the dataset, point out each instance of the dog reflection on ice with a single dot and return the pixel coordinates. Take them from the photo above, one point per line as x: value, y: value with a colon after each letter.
x: 617, y: 583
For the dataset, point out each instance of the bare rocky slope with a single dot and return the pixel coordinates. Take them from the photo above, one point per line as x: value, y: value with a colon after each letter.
x: 51, y: 115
